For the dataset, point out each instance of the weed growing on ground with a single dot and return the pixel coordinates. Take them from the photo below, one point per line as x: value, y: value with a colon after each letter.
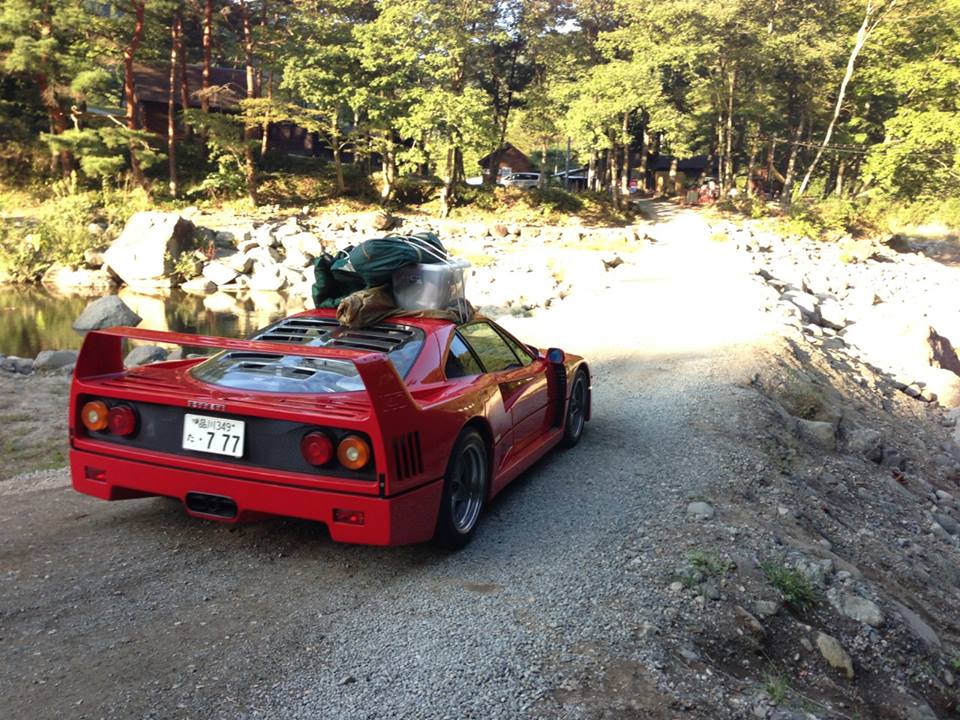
x: 796, y: 590
x: 776, y: 685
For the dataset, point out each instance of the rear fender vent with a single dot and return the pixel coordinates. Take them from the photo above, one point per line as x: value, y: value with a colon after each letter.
x: 407, y: 456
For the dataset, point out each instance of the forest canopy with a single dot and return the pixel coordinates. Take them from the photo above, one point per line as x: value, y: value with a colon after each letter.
x: 819, y: 98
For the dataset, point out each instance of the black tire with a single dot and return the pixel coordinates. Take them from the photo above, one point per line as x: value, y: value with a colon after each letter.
x: 576, y: 419
x: 465, y: 486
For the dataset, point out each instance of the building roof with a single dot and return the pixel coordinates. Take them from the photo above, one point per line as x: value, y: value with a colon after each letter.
x: 228, y: 85
x: 504, y: 149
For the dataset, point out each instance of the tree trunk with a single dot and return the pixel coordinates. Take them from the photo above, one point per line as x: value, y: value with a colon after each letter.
x: 644, y: 151
x: 184, y: 82
x: 176, y: 29
x: 786, y: 196
x: 446, y: 191
x: 866, y: 27
x: 671, y: 188
x: 58, y: 123
x: 335, y: 148
x: 752, y: 165
x: 625, y: 158
x: 130, y: 89
x: 389, y: 168
x: 265, y: 129
x: 459, y: 173
x: 728, y: 151
x: 207, y: 53
x: 249, y: 131
x: 841, y: 171
x: 544, y: 149
x: 592, y: 172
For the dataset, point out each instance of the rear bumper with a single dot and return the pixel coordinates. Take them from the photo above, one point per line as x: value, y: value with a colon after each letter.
x: 403, y: 519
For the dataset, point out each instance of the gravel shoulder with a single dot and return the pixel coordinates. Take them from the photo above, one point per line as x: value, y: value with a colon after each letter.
x: 562, y: 607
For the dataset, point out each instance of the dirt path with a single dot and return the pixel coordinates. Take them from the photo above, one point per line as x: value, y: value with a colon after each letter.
x: 134, y: 610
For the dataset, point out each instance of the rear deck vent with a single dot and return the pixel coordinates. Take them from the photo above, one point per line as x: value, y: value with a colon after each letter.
x: 406, y: 453
x: 305, y: 331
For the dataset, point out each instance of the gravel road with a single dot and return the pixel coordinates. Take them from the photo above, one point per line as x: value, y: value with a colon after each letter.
x: 120, y: 610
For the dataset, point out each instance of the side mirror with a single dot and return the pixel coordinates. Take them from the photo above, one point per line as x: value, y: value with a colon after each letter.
x: 556, y: 356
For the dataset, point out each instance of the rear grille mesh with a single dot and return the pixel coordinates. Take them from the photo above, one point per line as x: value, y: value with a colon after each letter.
x: 407, y: 456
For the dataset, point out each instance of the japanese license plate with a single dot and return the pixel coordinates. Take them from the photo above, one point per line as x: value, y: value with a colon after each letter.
x: 213, y: 435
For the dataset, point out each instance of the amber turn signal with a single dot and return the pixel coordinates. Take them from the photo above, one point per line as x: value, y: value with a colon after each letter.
x: 95, y: 416
x: 353, y: 452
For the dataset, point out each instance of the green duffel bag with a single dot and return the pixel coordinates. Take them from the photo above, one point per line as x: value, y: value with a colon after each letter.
x: 376, y: 260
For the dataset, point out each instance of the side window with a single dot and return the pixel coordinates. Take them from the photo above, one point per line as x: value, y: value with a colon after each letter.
x: 460, y: 361
x: 489, y: 346
x: 523, y: 355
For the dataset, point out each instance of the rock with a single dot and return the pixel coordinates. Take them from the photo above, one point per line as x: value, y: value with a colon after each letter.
x: 710, y: 590
x: 893, y: 458
x: 807, y: 645
x: 198, y: 286
x: 48, y: 360
x: 766, y: 608
x: 108, y: 311
x: 947, y: 523
x: 700, y: 511
x: 917, y: 626
x: 96, y: 228
x: 65, y: 278
x: 268, y: 278
x: 263, y: 236
x: 305, y: 243
x: 297, y: 260
x: 241, y: 262
x: 942, y: 353
x: 928, y: 395
x: 14, y: 364
x: 499, y: 230
x: 867, y: 443
x: 749, y: 624
x: 807, y: 304
x: 144, y: 254
x: 93, y: 258
x: 379, y: 221
x: 833, y: 652
x: 818, y: 432
x: 219, y: 273
x: 832, y: 314
x: 144, y: 355
x: 856, y: 607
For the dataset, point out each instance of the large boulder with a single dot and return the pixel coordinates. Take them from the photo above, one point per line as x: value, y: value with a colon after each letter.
x: 108, y: 311
x: 65, y: 278
x: 144, y: 254
x: 144, y: 355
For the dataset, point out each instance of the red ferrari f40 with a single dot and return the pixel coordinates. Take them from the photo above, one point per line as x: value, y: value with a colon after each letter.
x: 396, y: 433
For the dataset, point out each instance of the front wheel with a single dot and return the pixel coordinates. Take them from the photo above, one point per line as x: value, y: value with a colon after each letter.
x: 464, y: 491
x: 576, y: 410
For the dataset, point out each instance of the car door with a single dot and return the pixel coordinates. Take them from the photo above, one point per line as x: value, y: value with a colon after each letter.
x: 521, y: 378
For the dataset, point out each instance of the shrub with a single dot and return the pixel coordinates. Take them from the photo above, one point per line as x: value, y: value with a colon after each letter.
x: 793, y: 586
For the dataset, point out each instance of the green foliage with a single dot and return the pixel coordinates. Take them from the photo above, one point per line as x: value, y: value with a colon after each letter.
x: 60, y: 233
x: 709, y: 563
x: 776, y: 685
x: 103, y: 152
x: 794, y: 587
x: 226, y: 146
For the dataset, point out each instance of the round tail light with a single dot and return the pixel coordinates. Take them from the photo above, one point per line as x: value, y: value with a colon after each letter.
x: 316, y: 448
x: 353, y: 452
x: 122, y: 420
x: 94, y: 416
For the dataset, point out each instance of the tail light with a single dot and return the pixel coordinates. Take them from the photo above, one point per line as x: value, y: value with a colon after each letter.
x: 353, y: 452
x: 122, y: 420
x: 316, y: 448
x: 95, y: 416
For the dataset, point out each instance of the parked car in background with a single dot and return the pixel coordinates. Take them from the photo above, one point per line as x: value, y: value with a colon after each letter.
x: 523, y: 180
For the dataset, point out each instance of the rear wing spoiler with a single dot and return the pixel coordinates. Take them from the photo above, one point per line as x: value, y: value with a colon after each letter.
x: 391, y: 402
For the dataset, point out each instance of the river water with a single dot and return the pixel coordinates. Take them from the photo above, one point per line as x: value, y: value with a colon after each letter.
x: 33, y: 318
